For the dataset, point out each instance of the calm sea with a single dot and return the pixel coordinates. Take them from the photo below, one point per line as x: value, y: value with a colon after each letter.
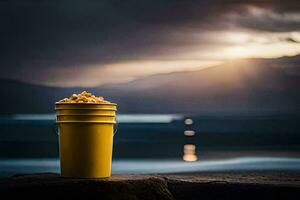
x: 162, y: 143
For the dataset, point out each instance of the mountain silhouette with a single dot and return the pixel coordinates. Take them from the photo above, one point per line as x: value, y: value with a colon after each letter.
x: 249, y: 86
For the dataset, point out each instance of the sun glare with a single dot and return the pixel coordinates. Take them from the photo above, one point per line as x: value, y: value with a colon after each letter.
x: 236, y: 52
x: 238, y: 37
x: 271, y: 50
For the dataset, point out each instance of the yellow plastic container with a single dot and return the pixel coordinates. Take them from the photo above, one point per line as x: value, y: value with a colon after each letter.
x: 85, y: 139
x: 86, y: 118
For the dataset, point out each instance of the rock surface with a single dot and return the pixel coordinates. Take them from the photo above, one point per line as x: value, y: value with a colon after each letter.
x: 242, y: 185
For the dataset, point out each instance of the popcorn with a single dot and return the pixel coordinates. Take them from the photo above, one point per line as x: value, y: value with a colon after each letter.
x: 83, y: 97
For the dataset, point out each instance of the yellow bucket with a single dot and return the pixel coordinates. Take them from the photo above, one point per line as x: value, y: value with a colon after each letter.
x: 85, y: 138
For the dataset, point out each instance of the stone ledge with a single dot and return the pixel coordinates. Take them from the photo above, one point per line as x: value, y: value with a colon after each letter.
x: 239, y: 185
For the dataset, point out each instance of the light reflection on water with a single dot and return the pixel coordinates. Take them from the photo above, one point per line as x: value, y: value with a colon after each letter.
x: 189, y: 153
x: 122, y: 118
x: 189, y: 150
x: 188, y: 121
x: 189, y: 133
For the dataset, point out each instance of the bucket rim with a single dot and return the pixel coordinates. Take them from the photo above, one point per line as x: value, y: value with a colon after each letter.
x: 66, y: 103
x: 84, y: 122
x: 109, y: 109
x: 103, y: 115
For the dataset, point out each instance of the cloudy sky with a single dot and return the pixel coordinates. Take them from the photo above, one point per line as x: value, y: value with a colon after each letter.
x: 89, y: 43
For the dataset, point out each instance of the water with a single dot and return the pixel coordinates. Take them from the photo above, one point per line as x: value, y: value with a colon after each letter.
x: 22, y: 166
x: 162, y: 143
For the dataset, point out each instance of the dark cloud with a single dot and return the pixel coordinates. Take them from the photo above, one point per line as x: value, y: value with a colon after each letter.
x: 290, y: 40
x: 38, y: 35
x: 265, y: 18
